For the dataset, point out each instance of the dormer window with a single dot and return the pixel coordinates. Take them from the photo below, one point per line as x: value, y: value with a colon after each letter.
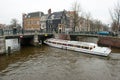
x: 52, y: 16
x: 28, y: 16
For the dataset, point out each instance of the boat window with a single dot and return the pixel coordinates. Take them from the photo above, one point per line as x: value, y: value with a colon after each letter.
x: 49, y: 41
x: 90, y: 48
x: 54, y: 42
x: 74, y: 45
x: 78, y: 46
x: 59, y: 43
x: 64, y: 44
x: 82, y: 47
x: 86, y: 47
x: 70, y: 45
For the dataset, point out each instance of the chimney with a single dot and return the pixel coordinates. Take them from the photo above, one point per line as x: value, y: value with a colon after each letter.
x: 24, y: 15
x: 49, y: 11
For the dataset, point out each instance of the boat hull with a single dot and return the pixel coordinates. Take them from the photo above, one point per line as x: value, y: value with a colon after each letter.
x: 93, y: 51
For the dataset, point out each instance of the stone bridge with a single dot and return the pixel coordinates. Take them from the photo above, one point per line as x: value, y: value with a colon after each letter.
x: 13, y: 40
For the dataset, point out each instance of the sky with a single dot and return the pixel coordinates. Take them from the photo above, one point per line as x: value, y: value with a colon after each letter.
x: 10, y: 9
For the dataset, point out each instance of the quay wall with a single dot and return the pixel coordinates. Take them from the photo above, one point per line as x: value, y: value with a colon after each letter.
x: 2, y: 45
x: 109, y: 41
x: 12, y: 44
x: 64, y: 37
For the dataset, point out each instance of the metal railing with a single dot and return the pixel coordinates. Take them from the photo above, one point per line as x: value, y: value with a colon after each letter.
x: 31, y: 32
x: 92, y: 33
x: 21, y: 32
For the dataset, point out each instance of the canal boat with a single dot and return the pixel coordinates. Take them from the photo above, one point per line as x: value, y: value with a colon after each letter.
x: 85, y: 47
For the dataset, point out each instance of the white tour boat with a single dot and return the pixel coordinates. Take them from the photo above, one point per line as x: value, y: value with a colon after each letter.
x: 85, y: 47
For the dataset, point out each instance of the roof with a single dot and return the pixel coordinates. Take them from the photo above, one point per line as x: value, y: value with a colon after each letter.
x: 56, y: 15
x: 35, y: 14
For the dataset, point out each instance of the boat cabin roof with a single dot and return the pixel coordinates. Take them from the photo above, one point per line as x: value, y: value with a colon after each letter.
x: 77, y: 43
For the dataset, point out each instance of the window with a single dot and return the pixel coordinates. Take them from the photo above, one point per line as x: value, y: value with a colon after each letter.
x: 38, y: 22
x: 64, y: 44
x: 86, y: 47
x: 52, y: 17
x: 78, y: 46
x: 90, y: 48
x: 70, y: 45
x: 59, y: 43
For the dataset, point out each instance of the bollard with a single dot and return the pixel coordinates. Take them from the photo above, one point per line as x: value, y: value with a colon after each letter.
x: 9, y: 49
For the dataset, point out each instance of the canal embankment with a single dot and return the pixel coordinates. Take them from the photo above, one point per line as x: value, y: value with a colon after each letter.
x: 109, y: 41
x: 9, y: 45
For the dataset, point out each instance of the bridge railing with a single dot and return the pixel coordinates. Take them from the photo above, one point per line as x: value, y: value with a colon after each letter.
x: 20, y: 32
x: 83, y: 33
x: 93, y: 33
x: 32, y: 32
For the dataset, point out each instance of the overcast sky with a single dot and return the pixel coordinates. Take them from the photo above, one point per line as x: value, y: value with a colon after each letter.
x: 9, y: 9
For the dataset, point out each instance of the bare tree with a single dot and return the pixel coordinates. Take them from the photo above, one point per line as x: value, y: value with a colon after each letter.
x: 88, y: 16
x: 15, y: 24
x: 77, y: 11
x: 98, y: 26
x: 115, y: 15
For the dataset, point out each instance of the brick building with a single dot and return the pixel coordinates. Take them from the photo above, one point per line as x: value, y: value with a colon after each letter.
x: 31, y: 21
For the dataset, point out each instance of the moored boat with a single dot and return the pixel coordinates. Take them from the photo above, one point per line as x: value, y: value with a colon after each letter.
x: 85, y: 47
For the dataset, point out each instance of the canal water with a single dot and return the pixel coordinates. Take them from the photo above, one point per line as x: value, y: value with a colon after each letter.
x: 48, y: 63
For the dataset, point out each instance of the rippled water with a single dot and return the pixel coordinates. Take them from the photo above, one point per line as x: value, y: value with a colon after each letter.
x: 48, y: 63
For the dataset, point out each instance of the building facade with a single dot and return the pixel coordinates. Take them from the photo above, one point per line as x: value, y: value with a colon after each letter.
x: 2, y: 26
x: 62, y: 21
x: 57, y: 22
x: 31, y: 21
x: 43, y: 21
